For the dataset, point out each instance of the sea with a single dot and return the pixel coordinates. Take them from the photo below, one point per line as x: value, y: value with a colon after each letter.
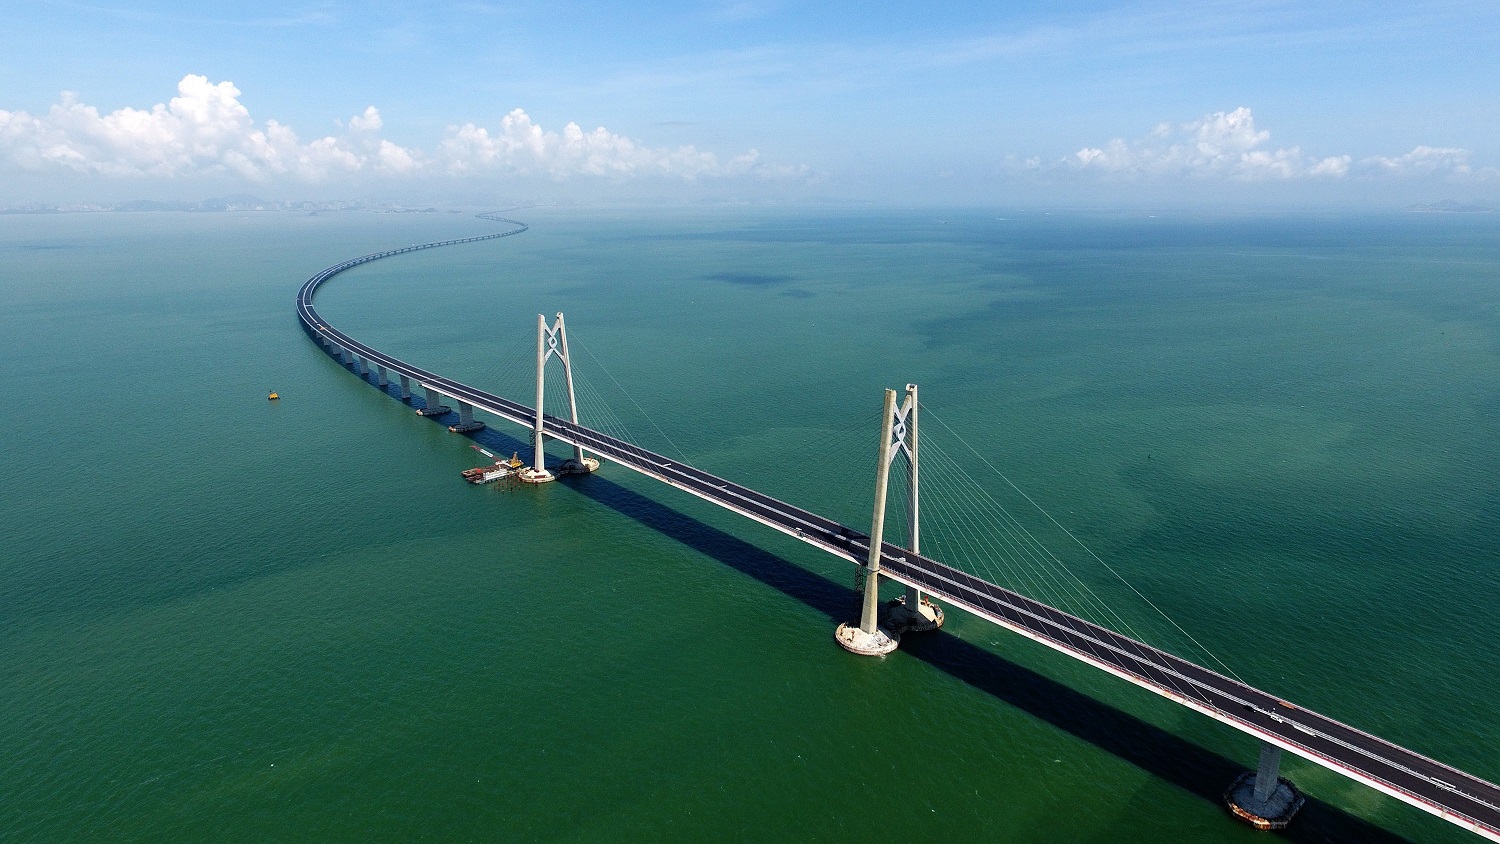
x: 1269, y: 442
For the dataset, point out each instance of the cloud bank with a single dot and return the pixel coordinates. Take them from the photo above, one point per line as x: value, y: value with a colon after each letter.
x: 1228, y: 145
x: 206, y: 131
x: 206, y: 134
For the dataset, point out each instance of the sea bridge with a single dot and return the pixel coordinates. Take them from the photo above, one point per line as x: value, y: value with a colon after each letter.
x: 1262, y: 798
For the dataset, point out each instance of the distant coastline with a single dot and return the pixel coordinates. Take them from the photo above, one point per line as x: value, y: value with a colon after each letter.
x: 1449, y: 206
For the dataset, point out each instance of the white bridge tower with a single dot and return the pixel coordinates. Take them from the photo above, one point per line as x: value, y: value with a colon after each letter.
x: 911, y: 612
x: 552, y: 341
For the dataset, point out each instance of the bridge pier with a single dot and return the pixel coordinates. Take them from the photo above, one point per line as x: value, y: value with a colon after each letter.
x: 405, y: 387
x: 1264, y: 799
x: 466, y: 421
x: 868, y: 639
x: 551, y: 341
x: 380, y: 376
x: 912, y: 613
x: 364, y: 367
x: 434, y: 406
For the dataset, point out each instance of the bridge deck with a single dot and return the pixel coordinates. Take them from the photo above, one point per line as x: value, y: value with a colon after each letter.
x: 1456, y: 796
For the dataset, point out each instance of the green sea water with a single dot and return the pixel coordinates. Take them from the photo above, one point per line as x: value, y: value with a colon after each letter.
x: 227, y: 619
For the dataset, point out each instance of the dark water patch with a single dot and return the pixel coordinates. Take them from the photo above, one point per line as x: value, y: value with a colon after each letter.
x: 750, y: 279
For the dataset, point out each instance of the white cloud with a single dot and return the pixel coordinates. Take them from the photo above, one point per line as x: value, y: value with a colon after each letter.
x: 1222, y: 144
x: 523, y: 147
x: 206, y: 130
x: 1228, y: 145
x: 1426, y: 160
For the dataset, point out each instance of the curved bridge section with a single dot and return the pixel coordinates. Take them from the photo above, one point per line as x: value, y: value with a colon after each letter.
x: 1458, y: 797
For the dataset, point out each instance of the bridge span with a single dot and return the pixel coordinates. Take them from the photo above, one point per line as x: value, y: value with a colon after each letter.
x: 1463, y: 799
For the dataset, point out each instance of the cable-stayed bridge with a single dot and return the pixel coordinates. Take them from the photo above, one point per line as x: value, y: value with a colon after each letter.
x: 1262, y: 798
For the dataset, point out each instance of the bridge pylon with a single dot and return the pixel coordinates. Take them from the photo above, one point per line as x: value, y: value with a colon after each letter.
x: 912, y: 612
x: 552, y: 341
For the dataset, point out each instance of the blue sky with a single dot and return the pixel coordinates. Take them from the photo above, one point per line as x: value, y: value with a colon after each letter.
x: 1095, y: 103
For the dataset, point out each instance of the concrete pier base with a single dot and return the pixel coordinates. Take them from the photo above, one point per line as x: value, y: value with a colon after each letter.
x: 381, y: 379
x: 855, y: 640
x: 1275, y: 811
x: 405, y: 387
x: 533, y: 475
x: 927, y: 616
x: 364, y: 366
x: 573, y: 467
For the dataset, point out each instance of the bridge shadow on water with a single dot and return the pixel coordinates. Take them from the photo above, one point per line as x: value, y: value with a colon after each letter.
x: 1194, y: 769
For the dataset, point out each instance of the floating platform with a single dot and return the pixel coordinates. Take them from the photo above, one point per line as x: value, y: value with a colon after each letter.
x: 466, y: 427
x: 435, y: 411
x: 1275, y: 812
x: 487, y: 474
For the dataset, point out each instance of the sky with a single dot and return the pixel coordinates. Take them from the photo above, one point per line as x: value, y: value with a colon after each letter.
x: 1380, y: 104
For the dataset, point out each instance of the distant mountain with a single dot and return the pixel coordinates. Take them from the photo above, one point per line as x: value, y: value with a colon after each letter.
x: 236, y: 202
x: 153, y: 205
x: 1449, y: 206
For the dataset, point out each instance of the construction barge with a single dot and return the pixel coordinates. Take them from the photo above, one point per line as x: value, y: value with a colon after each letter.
x: 487, y: 474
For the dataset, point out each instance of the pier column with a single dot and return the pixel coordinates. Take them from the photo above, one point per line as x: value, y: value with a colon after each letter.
x: 1263, y: 799
x: 380, y: 376
x: 364, y: 366
x: 868, y: 639
x: 910, y: 613
x: 405, y: 387
x: 434, y: 404
x: 1268, y: 771
x: 577, y: 464
x: 466, y: 421
x: 538, y: 445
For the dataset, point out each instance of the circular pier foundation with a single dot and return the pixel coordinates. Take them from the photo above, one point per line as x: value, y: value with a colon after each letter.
x: 1275, y: 812
x: 533, y: 475
x: 928, y: 616
x: 857, y: 641
x: 573, y: 467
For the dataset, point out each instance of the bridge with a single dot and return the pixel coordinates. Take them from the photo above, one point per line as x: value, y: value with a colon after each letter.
x: 1263, y: 798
